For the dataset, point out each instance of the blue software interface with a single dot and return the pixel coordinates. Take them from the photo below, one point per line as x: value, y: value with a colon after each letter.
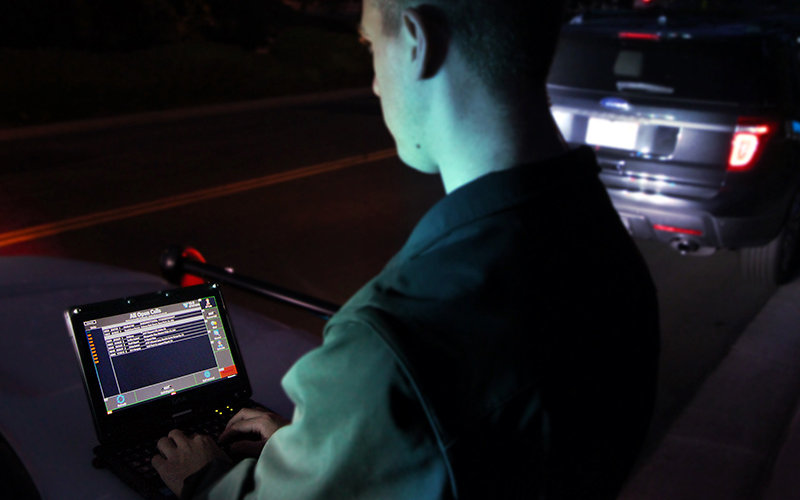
x: 158, y: 352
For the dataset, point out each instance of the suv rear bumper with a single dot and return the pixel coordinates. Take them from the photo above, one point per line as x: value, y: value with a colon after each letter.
x: 667, y: 219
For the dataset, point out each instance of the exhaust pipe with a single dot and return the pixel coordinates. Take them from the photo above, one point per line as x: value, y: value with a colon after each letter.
x: 684, y: 246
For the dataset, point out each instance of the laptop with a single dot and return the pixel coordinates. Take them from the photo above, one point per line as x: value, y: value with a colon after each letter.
x: 152, y: 363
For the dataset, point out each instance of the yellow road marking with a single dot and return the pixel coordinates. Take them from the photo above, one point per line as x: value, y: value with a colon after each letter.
x: 84, y: 221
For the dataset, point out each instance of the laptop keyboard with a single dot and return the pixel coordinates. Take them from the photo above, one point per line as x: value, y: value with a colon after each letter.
x: 138, y: 457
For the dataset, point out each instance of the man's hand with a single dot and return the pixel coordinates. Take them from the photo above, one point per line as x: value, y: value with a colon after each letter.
x: 181, y: 456
x: 248, y: 431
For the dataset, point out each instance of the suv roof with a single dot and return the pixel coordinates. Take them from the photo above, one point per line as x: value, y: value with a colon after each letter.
x: 683, y: 56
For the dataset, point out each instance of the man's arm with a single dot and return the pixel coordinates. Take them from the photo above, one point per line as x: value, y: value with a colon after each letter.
x: 357, y: 430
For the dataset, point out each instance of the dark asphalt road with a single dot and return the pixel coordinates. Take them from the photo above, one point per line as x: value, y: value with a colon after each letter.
x: 323, y: 235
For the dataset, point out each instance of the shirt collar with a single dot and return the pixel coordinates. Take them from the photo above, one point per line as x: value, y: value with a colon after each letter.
x: 495, y: 192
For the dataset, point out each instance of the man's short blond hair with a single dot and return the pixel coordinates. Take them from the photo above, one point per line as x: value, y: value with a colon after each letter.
x: 510, y: 43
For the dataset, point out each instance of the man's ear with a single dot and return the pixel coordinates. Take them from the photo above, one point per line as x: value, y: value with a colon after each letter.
x: 427, y: 40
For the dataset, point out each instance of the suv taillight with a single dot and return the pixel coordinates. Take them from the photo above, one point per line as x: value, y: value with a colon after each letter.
x: 748, y: 141
x: 634, y: 35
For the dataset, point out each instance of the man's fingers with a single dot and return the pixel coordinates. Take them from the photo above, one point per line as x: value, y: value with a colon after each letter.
x: 166, y: 446
x: 242, y: 422
x: 201, y: 439
x: 158, y: 462
x: 244, y: 414
x: 234, y: 429
x: 178, y: 436
x: 182, y: 455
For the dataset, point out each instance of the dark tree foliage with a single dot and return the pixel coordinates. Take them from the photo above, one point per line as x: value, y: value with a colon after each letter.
x: 249, y: 23
x: 132, y: 24
x: 34, y: 22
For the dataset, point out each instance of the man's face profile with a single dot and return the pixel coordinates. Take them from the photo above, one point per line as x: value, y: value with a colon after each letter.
x: 393, y: 83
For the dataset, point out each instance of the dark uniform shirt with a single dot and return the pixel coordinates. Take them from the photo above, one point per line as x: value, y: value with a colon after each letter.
x: 509, y: 350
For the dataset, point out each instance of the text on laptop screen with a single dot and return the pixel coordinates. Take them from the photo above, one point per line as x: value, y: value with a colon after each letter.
x: 158, y: 352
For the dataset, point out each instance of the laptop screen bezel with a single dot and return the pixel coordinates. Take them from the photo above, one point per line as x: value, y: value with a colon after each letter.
x: 152, y: 417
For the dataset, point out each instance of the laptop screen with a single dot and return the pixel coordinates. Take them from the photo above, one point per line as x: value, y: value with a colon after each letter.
x: 150, y: 359
x: 158, y: 351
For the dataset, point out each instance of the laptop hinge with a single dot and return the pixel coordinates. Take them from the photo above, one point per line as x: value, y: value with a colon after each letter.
x: 180, y: 414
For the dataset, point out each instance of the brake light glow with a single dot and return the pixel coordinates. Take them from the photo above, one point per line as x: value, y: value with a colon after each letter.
x: 681, y: 230
x: 748, y: 137
x: 631, y: 35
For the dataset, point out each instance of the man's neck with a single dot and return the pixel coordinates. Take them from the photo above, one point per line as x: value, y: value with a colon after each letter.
x: 475, y: 134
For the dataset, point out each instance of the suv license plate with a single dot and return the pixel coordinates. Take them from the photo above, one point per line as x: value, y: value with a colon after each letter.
x: 612, y: 134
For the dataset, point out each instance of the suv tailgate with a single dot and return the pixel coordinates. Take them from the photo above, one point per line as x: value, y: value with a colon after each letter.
x: 681, y: 149
x: 651, y: 105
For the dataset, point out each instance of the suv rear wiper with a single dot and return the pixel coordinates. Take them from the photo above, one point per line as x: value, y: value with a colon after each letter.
x: 644, y: 87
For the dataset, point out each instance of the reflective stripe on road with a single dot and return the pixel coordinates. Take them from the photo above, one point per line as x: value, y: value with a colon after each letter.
x: 89, y: 220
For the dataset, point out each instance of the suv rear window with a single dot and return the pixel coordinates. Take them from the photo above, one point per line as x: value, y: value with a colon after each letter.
x: 720, y: 69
